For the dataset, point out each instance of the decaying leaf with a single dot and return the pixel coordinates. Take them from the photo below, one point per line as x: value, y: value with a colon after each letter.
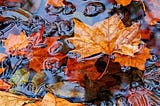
x: 138, y: 60
x: 80, y: 69
x: 107, y: 36
x: 14, y: 44
x: 123, y: 2
x: 8, y: 99
x: 56, y: 3
x: 4, y: 85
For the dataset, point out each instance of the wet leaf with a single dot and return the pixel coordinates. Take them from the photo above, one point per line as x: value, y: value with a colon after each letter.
x: 67, y: 89
x: 107, y: 36
x: 4, y: 85
x: 15, y: 44
x: 138, y: 60
x: 39, y: 56
x: 80, y: 69
x: 8, y: 99
x: 56, y: 3
x: 123, y: 2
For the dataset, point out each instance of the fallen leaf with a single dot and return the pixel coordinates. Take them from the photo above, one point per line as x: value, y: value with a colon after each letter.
x: 15, y: 44
x: 107, y: 36
x: 8, y: 99
x: 4, y: 85
x: 80, y: 69
x: 56, y: 3
x: 138, y: 60
x: 123, y: 2
x: 38, y: 56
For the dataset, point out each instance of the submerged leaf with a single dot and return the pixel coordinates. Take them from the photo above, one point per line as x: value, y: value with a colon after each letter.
x: 123, y: 2
x: 55, y: 3
x: 15, y: 44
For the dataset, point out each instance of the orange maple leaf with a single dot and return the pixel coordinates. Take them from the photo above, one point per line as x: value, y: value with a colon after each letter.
x: 56, y: 3
x: 138, y: 60
x: 107, y: 36
x: 15, y: 44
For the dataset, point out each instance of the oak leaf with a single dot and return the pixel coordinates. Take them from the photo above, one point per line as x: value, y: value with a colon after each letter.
x: 56, y: 3
x: 138, y: 60
x: 4, y: 85
x: 8, y: 99
x: 15, y: 44
x: 107, y: 36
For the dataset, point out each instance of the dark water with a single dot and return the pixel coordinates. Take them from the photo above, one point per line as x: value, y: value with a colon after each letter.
x: 113, y: 89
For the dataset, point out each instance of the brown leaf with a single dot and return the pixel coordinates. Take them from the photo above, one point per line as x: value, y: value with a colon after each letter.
x: 8, y: 99
x: 15, y: 44
x: 123, y: 2
x: 138, y: 60
x: 56, y: 3
x: 107, y: 36
x: 77, y: 70
x: 4, y: 85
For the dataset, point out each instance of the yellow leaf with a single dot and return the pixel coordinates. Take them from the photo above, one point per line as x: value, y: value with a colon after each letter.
x: 16, y: 43
x: 107, y: 36
x: 2, y: 56
x: 8, y: 99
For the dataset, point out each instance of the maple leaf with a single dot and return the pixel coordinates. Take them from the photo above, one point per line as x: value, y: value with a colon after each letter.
x: 4, y: 85
x: 80, y: 69
x: 56, y: 3
x: 15, y: 44
x: 107, y: 36
x: 138, y: 60
x: 38, y: 56
x: 8, y: 99
x: 123, y: 2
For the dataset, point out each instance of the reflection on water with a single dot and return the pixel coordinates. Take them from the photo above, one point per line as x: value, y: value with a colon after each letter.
x: 124, y: 86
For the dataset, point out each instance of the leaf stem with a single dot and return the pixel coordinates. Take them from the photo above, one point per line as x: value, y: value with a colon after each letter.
x: 105, y: 70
